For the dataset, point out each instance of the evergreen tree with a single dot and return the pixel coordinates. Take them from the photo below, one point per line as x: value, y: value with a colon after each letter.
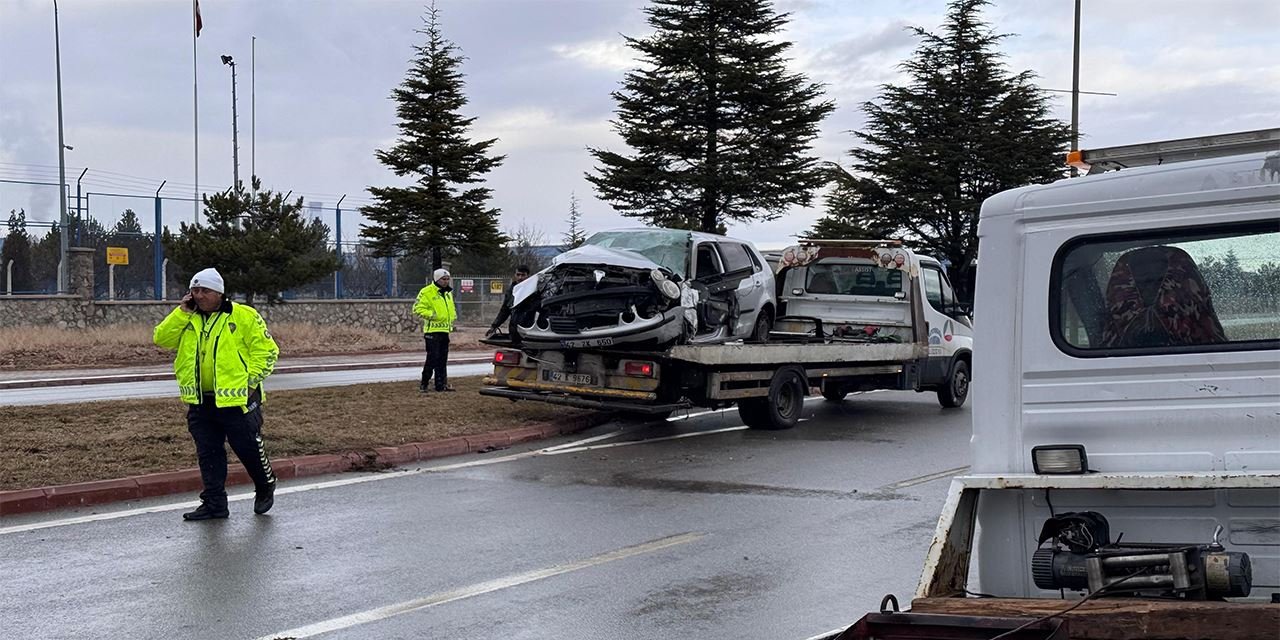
x: 273, y: 248
x: 576, y: 235
x: 17, y: 249
x: 443, y: 211
x: 720, y: 129
x: 962, y: 129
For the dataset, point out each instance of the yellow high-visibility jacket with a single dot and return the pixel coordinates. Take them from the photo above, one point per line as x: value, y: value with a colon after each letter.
x: 436, y: 308
x: 243, y: 351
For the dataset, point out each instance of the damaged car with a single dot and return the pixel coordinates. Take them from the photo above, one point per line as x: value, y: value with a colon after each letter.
x: 647, y: 288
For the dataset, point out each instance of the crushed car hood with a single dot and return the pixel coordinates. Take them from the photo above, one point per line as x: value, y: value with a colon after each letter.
x: 584, y: 255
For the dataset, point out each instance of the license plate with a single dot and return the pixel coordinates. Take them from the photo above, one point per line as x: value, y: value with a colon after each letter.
x: 568, y: 378
x: 586, y: 343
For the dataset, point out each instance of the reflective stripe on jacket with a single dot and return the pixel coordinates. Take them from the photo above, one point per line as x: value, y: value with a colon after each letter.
x: 243, y: 351
x: 436, y: 309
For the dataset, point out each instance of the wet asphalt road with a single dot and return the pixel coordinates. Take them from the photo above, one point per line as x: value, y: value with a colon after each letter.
x: 728, y: 534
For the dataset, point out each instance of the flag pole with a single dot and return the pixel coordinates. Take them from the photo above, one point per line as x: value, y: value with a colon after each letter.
x: 195, y: 98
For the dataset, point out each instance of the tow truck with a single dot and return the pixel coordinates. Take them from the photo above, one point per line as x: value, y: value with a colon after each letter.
x: 1126, y: 443
x: 853, y: 316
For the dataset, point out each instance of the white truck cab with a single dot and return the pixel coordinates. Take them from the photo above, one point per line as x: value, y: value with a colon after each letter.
x: 1126, y: 420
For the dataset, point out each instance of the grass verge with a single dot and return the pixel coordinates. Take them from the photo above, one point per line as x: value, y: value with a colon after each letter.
x: 25, y: 348
x: 60, y: 444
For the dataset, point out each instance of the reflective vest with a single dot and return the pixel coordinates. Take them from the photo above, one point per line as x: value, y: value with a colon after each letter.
x: 436, y: 308
x: 243, y: 352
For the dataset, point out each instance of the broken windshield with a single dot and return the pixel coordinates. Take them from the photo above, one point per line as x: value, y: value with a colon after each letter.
x: 668, y: 248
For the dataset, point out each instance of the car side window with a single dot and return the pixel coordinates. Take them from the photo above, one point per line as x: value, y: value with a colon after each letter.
x: 736, y: 257
x: 936, y: 289
x: 708, y: 262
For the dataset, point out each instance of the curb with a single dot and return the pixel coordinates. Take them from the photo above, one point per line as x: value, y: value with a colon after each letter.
x: 83, y: 494
x: 168, y: 375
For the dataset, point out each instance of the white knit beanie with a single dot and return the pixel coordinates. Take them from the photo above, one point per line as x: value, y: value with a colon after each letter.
x: 209, y: 279
x: 439, y: 273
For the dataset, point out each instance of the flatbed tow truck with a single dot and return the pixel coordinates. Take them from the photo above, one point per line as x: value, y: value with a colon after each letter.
x: 1125, y: 481
x: 854, y: 316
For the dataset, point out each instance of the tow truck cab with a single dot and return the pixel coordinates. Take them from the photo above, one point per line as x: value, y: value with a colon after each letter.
x: 1126, y: 425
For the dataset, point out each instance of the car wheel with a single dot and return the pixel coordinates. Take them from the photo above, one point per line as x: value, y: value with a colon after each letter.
x: 952, y: 394
x: 764, y: 324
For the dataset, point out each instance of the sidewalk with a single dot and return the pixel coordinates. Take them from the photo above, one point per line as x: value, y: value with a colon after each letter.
x: 62, y: 377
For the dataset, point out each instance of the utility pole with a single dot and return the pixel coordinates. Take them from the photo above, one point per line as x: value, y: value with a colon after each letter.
x: 64, y: 268
x: 253, y: 108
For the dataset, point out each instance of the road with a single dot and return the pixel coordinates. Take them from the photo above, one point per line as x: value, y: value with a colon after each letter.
x: 169, y: 388
x: 690, y: 528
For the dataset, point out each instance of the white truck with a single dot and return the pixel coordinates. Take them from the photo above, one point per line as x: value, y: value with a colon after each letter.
x: 853, y: 316
x: 1126, y: 429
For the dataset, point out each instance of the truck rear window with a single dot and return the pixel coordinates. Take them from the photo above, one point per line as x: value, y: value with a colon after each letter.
x: 1204, y: 289
x: 853, y: 279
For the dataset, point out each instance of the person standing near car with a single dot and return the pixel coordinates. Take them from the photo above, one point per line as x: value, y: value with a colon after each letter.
x: 508, y: 300
x: 435, y: 306
x: 224, y: 352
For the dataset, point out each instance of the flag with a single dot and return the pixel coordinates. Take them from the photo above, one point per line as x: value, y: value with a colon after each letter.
x: 199, y: 22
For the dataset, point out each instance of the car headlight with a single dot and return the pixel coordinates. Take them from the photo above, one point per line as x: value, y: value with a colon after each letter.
x: 658, y: 276
x: 669, y: 289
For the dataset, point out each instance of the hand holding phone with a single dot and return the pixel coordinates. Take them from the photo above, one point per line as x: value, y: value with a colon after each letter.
x: 189, y: 303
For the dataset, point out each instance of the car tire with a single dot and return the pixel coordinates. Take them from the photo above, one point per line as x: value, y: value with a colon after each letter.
x: 784, y: 405
x: 764, y: 324
x: 956, y: 389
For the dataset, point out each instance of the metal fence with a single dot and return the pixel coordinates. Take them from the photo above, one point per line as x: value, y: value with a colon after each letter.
x: 101, y: 218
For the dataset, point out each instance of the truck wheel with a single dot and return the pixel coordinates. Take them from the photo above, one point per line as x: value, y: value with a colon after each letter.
x: 834, y: 392
x: 782, y: 409
x: 952, y: 395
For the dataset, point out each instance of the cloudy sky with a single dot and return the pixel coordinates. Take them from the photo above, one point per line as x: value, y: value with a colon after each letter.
x: 538, y: 76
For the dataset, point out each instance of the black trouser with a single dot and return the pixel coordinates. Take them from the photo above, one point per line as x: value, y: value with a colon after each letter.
x: 211, y: 427
x: 437, y: 360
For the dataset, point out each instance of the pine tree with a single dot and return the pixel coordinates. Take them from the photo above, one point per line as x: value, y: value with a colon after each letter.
x: 576, y: 235
x: 274, y: 247
x: 962, y: 129
x: 17, y: 249
x: 720, y: 130
x: 443, y: 211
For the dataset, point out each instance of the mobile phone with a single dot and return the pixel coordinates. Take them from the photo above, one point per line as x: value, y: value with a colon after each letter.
x: 188, y: 302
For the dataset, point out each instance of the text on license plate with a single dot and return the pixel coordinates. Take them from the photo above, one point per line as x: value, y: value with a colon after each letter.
x: 586, y: 343
x: 568, y: 378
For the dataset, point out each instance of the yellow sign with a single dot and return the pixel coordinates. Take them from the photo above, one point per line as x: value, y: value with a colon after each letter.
x: 495, y: 287
x: 118, y: 255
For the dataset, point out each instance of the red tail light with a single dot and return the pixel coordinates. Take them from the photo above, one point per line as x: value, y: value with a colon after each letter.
x: 507, y: 358
x: 640, y: 369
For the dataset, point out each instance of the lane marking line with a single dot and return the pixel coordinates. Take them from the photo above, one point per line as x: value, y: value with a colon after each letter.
x: 830, y: 634
x: 489, y: 586
x: 911, y: 482
x: 610, y: 445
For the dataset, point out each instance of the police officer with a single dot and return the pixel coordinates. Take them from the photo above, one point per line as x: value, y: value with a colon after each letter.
x: 435, y: 306
x: 224, y: 353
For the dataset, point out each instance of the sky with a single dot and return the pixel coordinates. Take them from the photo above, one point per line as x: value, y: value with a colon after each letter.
x: 314, y: 79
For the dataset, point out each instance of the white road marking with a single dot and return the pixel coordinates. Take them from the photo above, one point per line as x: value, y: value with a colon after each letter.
x: 445, y: 597
x: 911, y: 482
x: 829, y: 634
x: 646, y: 441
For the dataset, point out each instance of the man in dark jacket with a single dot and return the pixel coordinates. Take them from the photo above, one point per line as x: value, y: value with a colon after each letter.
x: 504, y: 314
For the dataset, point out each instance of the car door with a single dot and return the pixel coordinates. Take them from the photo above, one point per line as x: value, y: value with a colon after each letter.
x: 750, y: 290
x: 718, y: 304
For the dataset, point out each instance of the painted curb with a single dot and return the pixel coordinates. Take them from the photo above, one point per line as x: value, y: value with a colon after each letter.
x: 83, y: 494
x: 168, y: 375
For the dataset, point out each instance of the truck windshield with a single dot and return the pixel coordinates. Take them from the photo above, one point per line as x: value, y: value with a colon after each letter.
x: 853, y: 279
x: 667, y: 248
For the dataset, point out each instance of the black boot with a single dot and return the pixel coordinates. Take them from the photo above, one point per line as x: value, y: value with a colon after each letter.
x: 207, y: 511
x: 264, y: 498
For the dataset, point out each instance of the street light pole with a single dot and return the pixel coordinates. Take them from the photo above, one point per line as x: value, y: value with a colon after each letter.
x: 1075, y: 89
x: 253, y: 108
x: 64, y: 268
x: 235, y: 136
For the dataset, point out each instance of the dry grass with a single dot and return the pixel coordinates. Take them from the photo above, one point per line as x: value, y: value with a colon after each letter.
x: 59, y: 444
x: 24, y: 348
